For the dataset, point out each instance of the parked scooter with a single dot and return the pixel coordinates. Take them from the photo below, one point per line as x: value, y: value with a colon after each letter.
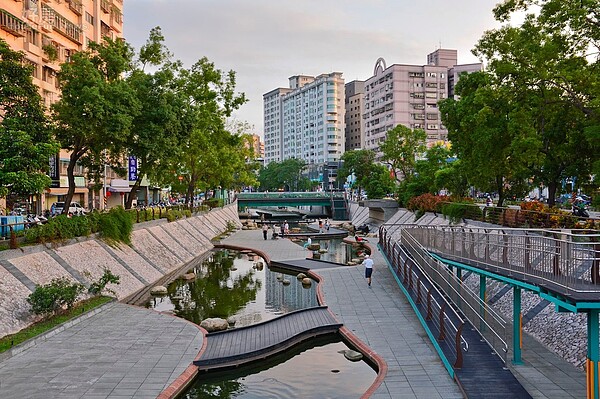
x: 580, y: 209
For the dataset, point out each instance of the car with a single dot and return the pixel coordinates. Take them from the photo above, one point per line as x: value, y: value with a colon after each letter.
x: 74, y: 209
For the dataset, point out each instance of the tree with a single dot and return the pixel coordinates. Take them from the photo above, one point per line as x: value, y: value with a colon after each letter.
x: 357, y: 163
x: 400, y: 149
x: 209, y: 98
x: 96, y: 109
x: 547, y: 65
x: 26, y: 142
x: 155, y: 130
x: 489, y: 134
x: 286, y: 175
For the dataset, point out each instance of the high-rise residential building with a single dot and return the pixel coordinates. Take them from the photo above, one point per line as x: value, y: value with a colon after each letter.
x: 455, y: 72
x: 409, y: 95
x: 354, y: 101
x: 48, y: 32
x: 273, y: 121
x: 306, y: 120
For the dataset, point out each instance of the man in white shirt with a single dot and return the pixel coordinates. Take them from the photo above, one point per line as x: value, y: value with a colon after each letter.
x: 368, y: 264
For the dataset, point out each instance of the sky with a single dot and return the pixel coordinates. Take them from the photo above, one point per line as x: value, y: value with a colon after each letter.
x: 267, y: 41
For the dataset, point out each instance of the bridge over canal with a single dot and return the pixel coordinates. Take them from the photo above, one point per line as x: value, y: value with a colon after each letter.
x: 335, y: 202
x: 561, y: 266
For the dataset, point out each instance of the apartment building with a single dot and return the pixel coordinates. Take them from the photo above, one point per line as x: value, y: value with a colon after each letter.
x: 48, y: 32
x: 409, y: 95
x: 306, y: 120
x: 354, y: 103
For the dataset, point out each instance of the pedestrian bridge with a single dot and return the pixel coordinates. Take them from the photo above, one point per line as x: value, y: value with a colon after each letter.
x: 561, y: 266
x: 334, y: 200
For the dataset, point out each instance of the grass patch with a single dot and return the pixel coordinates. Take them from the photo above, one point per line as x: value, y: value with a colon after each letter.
x: 41, y: 327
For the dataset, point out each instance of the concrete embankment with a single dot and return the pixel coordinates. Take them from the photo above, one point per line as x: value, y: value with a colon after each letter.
x: 158, y: 249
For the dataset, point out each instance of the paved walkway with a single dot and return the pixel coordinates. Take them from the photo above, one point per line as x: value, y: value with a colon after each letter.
x: 120, y: 352
x: 129, y: 352
x: 383, y: 319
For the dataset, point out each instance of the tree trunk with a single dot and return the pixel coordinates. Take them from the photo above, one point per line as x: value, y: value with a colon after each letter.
x: 552, y: 187
x: 133, y: 192
x: 71, y: 181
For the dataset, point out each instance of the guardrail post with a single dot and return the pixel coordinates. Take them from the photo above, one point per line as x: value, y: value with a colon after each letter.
x: 556, y: 259
x: 137, y: 211
x: 517, y: 326
x: 482, y: 297
x: 418, y: 290
x: 405, y: 276
x: 428, y: 316
x: 593, y: 356
x: 13, y: 238
x: 410, y: 279
x: 596, y: 263
x: 527, y: 251
x: 459, y: 356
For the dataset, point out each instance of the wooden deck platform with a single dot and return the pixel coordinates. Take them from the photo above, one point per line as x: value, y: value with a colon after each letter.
x: 231, y: 348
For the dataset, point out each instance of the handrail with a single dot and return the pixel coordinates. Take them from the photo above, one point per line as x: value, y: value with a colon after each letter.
x: 489, y: 323
x: 566, y: 260
x: 413, y: 284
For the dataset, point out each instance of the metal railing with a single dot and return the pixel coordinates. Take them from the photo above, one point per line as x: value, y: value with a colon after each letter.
x: 567, y: 261
x: 491, y: 326
x: 442, y: 319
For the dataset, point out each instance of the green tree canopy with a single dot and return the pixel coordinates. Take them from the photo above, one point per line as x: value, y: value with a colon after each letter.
x: 549, y: 66
x: 26, y: 142
x: 400, y: 149
x: 286, y: 175
x: 97, y: 107
x: 490, y: 135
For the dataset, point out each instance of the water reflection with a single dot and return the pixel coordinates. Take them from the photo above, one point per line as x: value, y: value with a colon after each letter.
x: 315, y: 369
x: 231, y: 283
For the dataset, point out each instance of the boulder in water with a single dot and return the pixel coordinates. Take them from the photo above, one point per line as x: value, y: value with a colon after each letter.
x: 214, y: 324
x: 158, y: 290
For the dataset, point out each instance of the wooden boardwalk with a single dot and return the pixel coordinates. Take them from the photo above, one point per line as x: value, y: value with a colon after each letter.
x: 235, y: 347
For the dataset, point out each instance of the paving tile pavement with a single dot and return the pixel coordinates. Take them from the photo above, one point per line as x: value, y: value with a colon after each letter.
x: 379, y: 316
x: 383, y: 319
x: 121, y: 352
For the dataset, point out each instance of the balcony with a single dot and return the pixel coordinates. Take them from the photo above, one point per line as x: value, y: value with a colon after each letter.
x: 76, y: 6
x: 61, y: 24
x: 12, y: 24
x: 105, y: 6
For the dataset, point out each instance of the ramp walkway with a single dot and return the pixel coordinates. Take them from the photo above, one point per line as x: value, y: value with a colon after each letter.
x: 235, y: 347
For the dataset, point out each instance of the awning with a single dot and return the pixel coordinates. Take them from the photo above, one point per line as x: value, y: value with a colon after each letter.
x: 119, y: 189
x: 64, y: 190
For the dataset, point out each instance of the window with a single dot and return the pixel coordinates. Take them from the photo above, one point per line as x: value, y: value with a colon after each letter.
x: 431, y: 116
x: 418, y: 116
x: 33, y: 37
x: 418, y: 95
x: 431, y: 74
x: 432, y: 126
x: 418, y: 106
x: 431, y: 85
x: 431, y: 94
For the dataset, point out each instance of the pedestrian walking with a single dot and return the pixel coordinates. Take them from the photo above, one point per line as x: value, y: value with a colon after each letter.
x: 320, y: 226
x: 286, y: 227
x: 327, y: 225
x: 282, y: 229
x: 368, y: 264
x: 265, y: 229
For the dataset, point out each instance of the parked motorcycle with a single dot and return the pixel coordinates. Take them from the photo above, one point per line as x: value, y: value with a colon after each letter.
x: 580, y: 210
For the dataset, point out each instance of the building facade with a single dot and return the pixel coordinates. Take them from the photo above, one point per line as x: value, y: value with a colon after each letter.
x: 354, y: 104
x: 48, y: 32
x: 306, y: 120
x: 409, y: 95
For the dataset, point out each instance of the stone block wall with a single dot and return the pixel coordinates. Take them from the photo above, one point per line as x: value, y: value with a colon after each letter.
x: 158, y: 248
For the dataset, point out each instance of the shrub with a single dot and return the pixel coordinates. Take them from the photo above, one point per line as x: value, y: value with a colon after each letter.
x: 212, y: 203
x: 457, y: 211
x: 426, y: 203
x: 170, y: 215
x: 116, y: 225
x: 230, y: 225
x: 51, y: 297
x: 187, y: 213
x: 97, y: 287
x: 59, y: 228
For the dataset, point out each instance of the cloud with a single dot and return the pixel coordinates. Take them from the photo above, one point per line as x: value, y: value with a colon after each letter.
x: 267, y: 41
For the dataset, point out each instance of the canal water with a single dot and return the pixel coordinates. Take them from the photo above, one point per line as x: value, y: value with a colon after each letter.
x: 233, y: 284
